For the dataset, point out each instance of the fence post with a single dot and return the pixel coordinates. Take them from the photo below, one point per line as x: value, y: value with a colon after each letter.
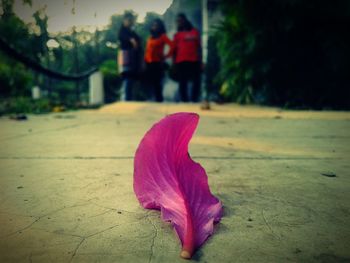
x: 36, y: 93
x: 96, y: 91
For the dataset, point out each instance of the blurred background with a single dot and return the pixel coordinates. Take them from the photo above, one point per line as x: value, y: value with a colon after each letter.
x: 286, y: 53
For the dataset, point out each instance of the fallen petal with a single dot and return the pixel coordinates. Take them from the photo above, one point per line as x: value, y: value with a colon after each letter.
x: 167, y: 179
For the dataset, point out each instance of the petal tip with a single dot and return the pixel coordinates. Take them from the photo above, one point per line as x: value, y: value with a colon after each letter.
x: 185, y: 254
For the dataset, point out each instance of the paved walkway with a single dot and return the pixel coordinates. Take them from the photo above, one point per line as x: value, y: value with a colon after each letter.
x: 283, y: 177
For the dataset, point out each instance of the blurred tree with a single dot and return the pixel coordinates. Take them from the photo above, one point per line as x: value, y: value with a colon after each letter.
x: 291, y: 53
x: 7, y: 7
x: 14, y: 78
x: 43, y: 37
x: 111, y: 33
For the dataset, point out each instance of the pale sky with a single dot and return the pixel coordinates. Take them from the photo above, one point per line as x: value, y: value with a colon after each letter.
x: 61, y: 17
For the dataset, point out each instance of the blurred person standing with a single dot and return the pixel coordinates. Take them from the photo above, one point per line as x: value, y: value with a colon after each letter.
x: 128, y: 55
x: 155, y: 57
x: 188, y: 58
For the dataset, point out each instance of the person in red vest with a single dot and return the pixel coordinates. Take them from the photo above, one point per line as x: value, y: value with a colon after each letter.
x: 187, y: 58
x: 154, y: 57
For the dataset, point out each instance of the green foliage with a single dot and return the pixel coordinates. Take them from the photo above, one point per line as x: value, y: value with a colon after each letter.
x: 109, y: 67
x: 111, y: 34
x: 16, y: 32
x: 7, y: 7
x: 15, y: 80
x: 24, y: 105
x: 111, y: 80
x: 41, y: 20
x: 211, y: 68
x: 290, y: 53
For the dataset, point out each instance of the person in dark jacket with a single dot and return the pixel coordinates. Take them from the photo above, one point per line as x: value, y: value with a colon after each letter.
x: 155, y: 56
x: 187, y: 58
x: 128, y: 55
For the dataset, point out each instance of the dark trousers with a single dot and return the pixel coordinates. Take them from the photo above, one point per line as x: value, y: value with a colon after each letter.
x: 189, y: 72
x: 154, y: 77
x: 128, y: 81
x: 127, y: 85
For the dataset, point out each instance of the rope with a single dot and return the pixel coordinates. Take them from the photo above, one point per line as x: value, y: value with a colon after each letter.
x: 12, y: 52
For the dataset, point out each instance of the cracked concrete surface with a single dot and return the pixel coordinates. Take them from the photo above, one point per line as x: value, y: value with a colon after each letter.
x: 66, y: 186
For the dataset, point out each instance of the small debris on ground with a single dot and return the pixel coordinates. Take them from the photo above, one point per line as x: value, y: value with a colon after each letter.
x: 19, y: 117
x: 297, y: 251
x: 64, y: 116
x: 205, y: 105
x: 58, y: 109
x: 329, y: 174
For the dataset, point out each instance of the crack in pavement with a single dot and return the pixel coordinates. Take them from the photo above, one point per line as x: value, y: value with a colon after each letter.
x: 83, y: 238
x: 268, y: 225
x: 57, y: 233
x: 38, y: 218
x: 153, y: 238
x: 14, y: 214
x: 103, y: 213
x: 102, y: 231
x: 76, y: 249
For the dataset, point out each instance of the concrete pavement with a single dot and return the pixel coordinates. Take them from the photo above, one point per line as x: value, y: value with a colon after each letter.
x: 283, y: 177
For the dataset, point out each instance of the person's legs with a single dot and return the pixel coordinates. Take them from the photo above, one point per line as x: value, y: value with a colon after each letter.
x: 183, y: 90
x: 122, y: 90
x: 158, y: 81
x: 148, y: 81
x: 158, y: 90
x: 126, y: 88
x: 183, y: 81
x: 154, y: 78
x: 196, y: 81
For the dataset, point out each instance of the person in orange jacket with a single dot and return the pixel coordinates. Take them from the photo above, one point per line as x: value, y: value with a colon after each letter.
x: 155, y: 57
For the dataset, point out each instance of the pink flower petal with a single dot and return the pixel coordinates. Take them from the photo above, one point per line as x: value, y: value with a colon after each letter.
x: 167, y: 179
